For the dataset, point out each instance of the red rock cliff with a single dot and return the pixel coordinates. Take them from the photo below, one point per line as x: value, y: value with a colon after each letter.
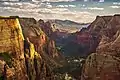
x: 104, y: 64
x: 42, y: 41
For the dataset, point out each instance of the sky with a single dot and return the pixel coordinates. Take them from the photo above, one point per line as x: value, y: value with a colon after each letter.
x: 82, y: 12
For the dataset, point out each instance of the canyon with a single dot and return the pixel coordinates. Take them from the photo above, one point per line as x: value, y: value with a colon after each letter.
x: 34, y: 50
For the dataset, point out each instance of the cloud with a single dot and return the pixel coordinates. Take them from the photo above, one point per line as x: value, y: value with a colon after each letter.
x: 115, y: 7
x: 57, y: 0
x: 63, y: 6
x: 20, y: 4
x: 45, y: 11
x: 116, y: 3
x: 94, y: 8
x: 49, y: 6
x: 59, y: 13
x: 101, y: 0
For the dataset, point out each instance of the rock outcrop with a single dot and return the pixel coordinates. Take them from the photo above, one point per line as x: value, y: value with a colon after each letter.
x: 39, y: 33
x: 43, y: 43
x: 104, y: 63
x: 46, y: 27
x: 37, y: 68
x: 12, y: 59
x: 101, y: 67
x: 26, y: 53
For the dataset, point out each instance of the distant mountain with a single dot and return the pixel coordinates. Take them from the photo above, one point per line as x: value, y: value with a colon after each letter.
x: 65, y: 33
x: 67, y: 22
x: 67, y: 25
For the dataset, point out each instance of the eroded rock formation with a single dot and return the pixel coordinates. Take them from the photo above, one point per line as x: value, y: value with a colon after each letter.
x: 39, y: 33
x: 26, y: 53
x: 104, y: 63
x: 101, y: 67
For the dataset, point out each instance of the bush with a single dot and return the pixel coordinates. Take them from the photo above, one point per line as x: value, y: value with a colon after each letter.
x: 7, y: 58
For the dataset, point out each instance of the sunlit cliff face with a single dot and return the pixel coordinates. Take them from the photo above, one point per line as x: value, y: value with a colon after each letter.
x: 10, y: 32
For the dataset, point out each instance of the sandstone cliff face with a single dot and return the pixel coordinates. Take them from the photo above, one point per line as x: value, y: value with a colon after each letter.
x: 101, y: 67
x: 110, y: 38
x: 104, y: 63
x: 46, y: 27
x: 19, y: 58
x: 42, y: 41
x: 37, y: 68
x: 12, y: 59
x: 39, y: 33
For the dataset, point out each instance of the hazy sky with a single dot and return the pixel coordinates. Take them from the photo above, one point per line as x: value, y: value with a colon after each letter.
x: 77, y: 11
